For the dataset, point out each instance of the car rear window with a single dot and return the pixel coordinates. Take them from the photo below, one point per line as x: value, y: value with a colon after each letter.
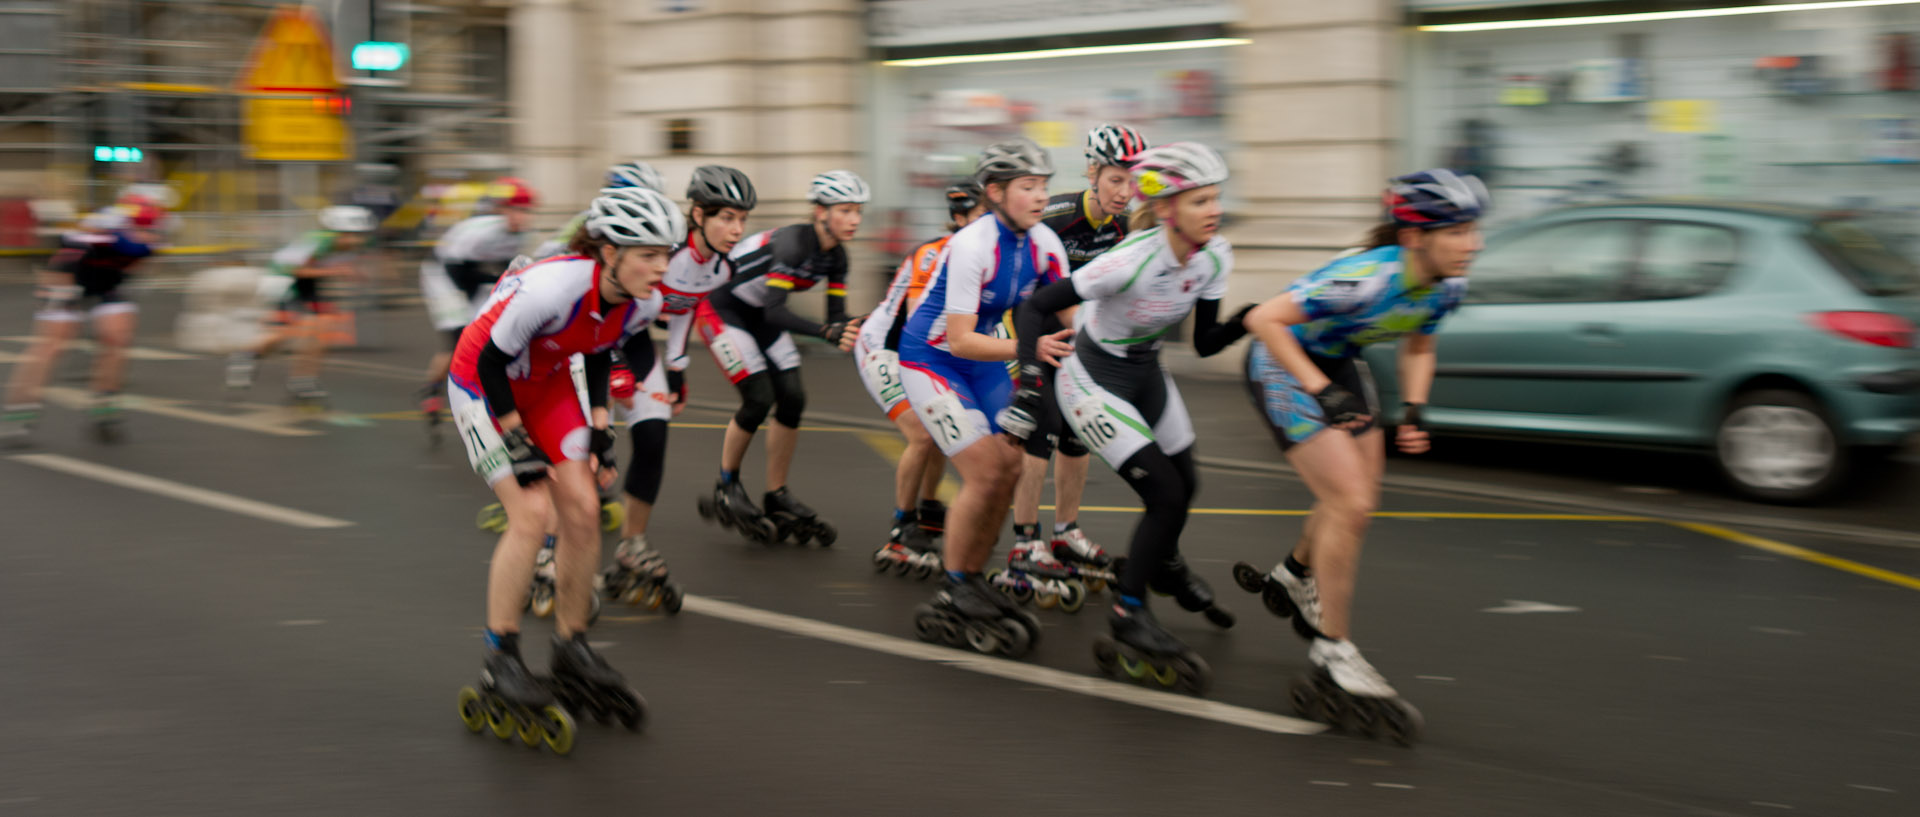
x: 1873, y: 254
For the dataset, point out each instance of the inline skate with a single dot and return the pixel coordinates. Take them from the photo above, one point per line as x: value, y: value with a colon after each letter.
x: 638, y: 576
x: 16, y: 424
x: 795, y: 522
x: 1141, y: 651
x: 1347, y: 693
x: 730, y: 506
x: 306, y: 394
x: 541, y: 595
x: 1291, y: 597
x: 511, y: 699
x: 1192, y: 592
x: 1032, y: 575
x: 909, y: 550
x: 106, y: 416
x: 972, y: 615
x: 1086, y: 560
x: 585, y: 683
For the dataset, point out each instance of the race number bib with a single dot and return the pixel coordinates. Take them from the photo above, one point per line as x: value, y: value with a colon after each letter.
x: 486, y: 452
x: 723, y: 351
x: 1094, y: 425
x: 945, y: 417
x: 883, y: 370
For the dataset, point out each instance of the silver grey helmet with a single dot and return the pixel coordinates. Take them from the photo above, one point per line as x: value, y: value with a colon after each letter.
x: 720, y: 186
x: 1012, y: 159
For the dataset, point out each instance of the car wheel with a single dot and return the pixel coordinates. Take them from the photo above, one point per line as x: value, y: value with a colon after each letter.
x: 1779, y: 446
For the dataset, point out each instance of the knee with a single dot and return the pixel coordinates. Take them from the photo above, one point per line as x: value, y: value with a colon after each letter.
x: 790, y: 398
x: 1352, y: 506
x: 756, y: 399
x: 536, y: 517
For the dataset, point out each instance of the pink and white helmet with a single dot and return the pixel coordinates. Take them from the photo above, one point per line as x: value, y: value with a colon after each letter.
x: 1176, y: 167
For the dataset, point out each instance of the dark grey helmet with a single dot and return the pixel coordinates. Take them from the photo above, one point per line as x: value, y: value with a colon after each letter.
x: 1012, y: 159
x: 720, y: 186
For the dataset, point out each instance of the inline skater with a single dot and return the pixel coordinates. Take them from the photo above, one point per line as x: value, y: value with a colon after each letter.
x: 520, y: 418
x: 466, y: 262
x: 956, y: 380
x: 747, y: 327
x: 1118, y: 398
x: 303, y: 267
x: 910, y: 544
x: 86, y: 272
x: 720, y: 200
x: 620, y: 176
x: 1304, y: 382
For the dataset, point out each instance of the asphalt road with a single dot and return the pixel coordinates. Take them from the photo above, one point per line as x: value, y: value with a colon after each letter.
x: 169, y: 652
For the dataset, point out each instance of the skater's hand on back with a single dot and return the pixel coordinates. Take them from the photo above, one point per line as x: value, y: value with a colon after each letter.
x: 1412, y: 436
x: 1056, y: 347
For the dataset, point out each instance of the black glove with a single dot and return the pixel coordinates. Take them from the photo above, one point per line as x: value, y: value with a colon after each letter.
x: 833, y: 331
x: 1021, y: 417
x: 600, y: 444
x: 1410, y: 416
x: 529, y: 462
x: 1240, y: 317
x: 677, y: 384
x: 1341, y: 406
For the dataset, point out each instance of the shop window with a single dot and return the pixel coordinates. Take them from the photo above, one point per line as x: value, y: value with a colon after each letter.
x: 1684, y: 260
x: 680, y: 136
x: 1565, y: 263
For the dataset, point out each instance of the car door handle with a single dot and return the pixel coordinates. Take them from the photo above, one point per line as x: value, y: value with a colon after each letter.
x: 1599, y: 332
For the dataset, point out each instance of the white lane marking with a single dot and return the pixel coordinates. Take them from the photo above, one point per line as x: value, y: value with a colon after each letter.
x: 1327, y: 783
x: 1434, y: 677
x: 1517, y: 607
x: 1391, y: 786
x: 133, y: 352
x: 1865, y: 787
x: 264, y: 420
x: 1001, y: 668
x: 1765, y: 804
x: 181, y: 491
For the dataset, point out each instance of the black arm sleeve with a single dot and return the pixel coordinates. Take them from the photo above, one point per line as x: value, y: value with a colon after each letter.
x: 599, y: 373
x: 638, y: 350
x: 494, y: 380
x: 779, y: 315
x: 837, y: 295
x: 1210, y: 335
x: 1030, y: 319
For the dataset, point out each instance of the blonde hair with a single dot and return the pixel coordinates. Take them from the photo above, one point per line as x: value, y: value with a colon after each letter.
x: 1142, y: 218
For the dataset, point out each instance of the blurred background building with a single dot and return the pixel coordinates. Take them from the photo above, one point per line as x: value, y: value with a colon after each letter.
x: 256, y: 113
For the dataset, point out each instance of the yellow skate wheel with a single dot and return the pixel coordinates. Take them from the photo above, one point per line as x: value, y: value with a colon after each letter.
x: 1073, y: 594
x: 612, y: 516
x: 493, y: 518
x: 500, y: 719
x: 534, y: 730
x: 541, y: 603
x: 1046, y: 601
x: 558, y: 729
x: 472, y: 712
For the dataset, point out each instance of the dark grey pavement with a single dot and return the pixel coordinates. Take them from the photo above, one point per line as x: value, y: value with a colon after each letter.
x: 166, y: 657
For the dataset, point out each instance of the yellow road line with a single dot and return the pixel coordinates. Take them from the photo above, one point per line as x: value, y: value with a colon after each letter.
x: 1803, y: 554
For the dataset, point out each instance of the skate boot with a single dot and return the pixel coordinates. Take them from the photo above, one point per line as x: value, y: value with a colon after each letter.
x: 638, y: 576
x: 1087, y: 561
x: 511, y: 699
x: 1033, y: 575
x: 1143, y: 652
x: 585, y: 683
x: 433, y: 403
x: 105, y: 417
x: 1192, y: 592
x: 730, y: 506
x: 970, y: 614
x: 909, y: 550
x: 240, y: 367
x: 796, y: 522
x: 933, y: 517
x: 1347, y: 693
x: 17, y: 422
x: 1288, y: 596
x: 540, y: 595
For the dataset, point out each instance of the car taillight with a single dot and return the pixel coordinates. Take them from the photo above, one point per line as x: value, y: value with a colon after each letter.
x: 1877, y: 328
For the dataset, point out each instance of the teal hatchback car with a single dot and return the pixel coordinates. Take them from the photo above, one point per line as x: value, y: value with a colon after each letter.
x: 1780, y: 340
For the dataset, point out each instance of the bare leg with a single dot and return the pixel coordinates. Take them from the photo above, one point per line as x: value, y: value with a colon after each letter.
x: 733, y: 450
x: 988, y: 471
x: 911, y: 472
x: 577, y: 556
x: 1335, y: 469
x: 114, y: 332
x: 1069, y: 482
x: 529, y: 515
x: 781, y: 442
x: 30, y: 376
x: 1026, y: 495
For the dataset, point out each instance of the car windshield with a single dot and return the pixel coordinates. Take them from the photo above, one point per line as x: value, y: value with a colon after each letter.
x: 1876, y: 254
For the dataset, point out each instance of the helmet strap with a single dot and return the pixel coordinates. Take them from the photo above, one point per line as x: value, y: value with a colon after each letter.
x: 612, y: 273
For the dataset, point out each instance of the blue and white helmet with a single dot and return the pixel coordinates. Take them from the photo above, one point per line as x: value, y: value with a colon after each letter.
x: 1431, y: 199
x: 838, y: 187
x: 635, y: 174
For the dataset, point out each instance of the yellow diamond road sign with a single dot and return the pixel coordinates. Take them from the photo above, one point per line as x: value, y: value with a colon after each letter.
x: 293, y: 116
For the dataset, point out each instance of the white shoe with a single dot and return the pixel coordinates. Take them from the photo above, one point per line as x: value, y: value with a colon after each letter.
x: 543, y: 564
x: 1035, y: 552
x: 1077, y: 541
x: 1305, y: 593
x: 636, y: 555
x: 1342, y: 660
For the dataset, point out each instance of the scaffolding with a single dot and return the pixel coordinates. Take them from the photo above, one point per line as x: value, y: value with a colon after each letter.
x: 160, y: 76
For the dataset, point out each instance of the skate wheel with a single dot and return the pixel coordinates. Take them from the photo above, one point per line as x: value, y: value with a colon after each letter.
x: 1399, y: 722
x: 767, y: 532
x: 825, y: 535
x: 652, y: 598
x: 533, y: 730
x: 1073, y: 596
x: 982, y: 641
x: 492, y: 518
x: 1044, y: 601
x: 1219, y: 618
x: 540, y: 603
x: 671, y: 603
x: 881, y: 562
x: 1302, y: 697
x: 925, y: 570
x: 1249, y: 577
x: 1019, y: 639
x: 612, y: 516
x: 631, y: 709
x: 1106, y: 657
x: 1276, y: 600
x: 1096, y: 584
x: 499, y: 718
x: 927, y: 625
x: 473, y: 713
x: 1195, y: 677
x: 557, y: 730
x: 704, y: 505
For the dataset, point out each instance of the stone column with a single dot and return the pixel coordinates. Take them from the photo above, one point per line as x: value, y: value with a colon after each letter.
x: 544, y: 46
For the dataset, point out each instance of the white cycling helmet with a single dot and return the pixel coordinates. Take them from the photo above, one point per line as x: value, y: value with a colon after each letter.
x: 347, y: 219
x: 636, y: 174
x: 838, y: 187
x: 636, y: 217
x: 1114, y: 145
x: 1176, y: 167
